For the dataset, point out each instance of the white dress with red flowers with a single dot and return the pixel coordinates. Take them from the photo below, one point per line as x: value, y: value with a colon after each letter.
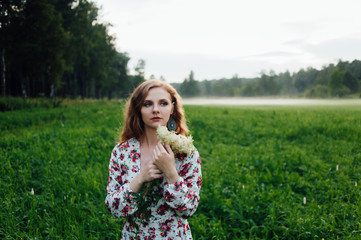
x: 177, y: 201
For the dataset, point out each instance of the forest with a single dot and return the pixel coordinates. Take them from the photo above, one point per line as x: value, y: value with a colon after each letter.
x: 334, y: 80
x: 61, y: 48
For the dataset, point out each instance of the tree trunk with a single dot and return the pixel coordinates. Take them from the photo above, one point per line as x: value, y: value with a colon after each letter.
x: 52, y: 93
x: 23, y: 87
x: 3, y: 76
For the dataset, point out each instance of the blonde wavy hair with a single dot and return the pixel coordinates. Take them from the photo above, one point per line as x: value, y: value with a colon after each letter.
x: 133, y: 123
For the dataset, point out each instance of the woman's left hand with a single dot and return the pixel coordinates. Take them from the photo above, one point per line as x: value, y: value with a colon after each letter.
x: 165, y: 161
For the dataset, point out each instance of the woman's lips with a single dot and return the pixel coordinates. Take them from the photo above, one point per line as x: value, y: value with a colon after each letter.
x: 156, y: 119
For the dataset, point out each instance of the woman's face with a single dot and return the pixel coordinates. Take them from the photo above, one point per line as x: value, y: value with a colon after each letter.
x: 157, y: 108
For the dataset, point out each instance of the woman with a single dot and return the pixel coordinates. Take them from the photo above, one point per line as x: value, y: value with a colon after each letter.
x: 140, y: 159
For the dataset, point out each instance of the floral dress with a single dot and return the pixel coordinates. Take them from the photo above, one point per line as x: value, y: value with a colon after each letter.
x: 177, y: 202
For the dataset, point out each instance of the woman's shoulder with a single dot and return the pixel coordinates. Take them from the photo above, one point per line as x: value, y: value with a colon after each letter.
x: 193, y: 156
x: 127, y: 144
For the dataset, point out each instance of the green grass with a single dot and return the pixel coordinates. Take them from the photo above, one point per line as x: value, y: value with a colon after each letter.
x: 16, y: 103
x: 258, y: 165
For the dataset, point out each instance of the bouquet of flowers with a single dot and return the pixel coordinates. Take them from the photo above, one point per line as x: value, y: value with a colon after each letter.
x: 177, y: 142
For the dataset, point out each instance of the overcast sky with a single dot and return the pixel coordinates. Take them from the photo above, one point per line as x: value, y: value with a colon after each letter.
x: 221, y: 38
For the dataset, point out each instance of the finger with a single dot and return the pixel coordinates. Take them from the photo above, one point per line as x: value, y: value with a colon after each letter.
x: 155, y: 174
x: 155, y: 151
x: 168, y: 148
x: 155, y: 154
x: 159, y: 146
x: 154, y: 166
x: 157, y: 170
x: 150, y: 164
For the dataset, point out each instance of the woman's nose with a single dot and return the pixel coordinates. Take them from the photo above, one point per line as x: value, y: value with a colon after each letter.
x: 155, y: 108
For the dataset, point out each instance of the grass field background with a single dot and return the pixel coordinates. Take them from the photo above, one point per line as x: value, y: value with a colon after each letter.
x: 269, y: 172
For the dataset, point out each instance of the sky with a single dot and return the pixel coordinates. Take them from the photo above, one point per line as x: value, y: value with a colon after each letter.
x: 221, y: 38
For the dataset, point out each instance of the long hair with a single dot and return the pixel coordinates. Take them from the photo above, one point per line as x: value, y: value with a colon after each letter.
x: 133, y: 122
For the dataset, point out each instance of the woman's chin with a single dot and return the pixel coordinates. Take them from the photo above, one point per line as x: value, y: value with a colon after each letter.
x: 155, y: 125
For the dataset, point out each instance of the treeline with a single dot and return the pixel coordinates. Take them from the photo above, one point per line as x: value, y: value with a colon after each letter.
x: 334, y: 80
x: 60, y: 48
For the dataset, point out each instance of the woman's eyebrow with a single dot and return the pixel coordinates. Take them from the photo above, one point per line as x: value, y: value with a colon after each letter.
x: 159, y: 100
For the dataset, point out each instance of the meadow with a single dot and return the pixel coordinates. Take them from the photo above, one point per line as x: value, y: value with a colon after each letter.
x: 269, y: 172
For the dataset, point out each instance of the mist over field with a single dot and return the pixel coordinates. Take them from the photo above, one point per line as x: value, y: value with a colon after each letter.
x: 269, y: 101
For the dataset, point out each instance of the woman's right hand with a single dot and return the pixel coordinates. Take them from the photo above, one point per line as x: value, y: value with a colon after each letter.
x: 148, y: 172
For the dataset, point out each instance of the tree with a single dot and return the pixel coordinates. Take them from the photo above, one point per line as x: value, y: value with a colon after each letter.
x: 9, y: 12
x: 251, y: 89
x: 305, y: 79
x: 318, y: 91
x: 268, y: 85
x: 351, y: 82
x: 37, y: 50
x: 324, y: 74
x: 207, y: 87
x: 335, y: 83
x: 138, y: 78
x: 189, y: 87
x: 162, y: 78
x: 122, y: 85
x: 342, y: 65
x: 58, y: 47
x: 286, y: 82
x: 355, y: 69
x: 84, y: 16
x: 140, y: 67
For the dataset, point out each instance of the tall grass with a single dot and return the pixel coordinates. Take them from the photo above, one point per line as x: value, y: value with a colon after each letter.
x: 258, y: 164
x: 16, y: 103
x: 62, y: 155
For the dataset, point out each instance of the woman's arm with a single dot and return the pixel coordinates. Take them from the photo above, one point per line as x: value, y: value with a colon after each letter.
x: 120, y: 199
x: 183, y: 195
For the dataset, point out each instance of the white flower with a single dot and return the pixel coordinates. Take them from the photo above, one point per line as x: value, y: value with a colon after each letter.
x: 177, y: 142
x: 304, y: 200
x: 32, y: 191
x: 355, y: 184
x: 337, y: 168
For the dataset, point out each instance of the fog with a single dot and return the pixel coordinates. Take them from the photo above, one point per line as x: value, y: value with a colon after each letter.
x: 270, y: 101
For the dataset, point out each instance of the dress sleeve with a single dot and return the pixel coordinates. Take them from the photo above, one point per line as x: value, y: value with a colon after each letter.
x: 183, y: 195
x: 120, y: 199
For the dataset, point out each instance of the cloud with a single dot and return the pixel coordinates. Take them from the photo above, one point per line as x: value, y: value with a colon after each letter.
x: 346, y: 48
x: 276, y: 54
x: 218, y: 39
x: 176, y: 67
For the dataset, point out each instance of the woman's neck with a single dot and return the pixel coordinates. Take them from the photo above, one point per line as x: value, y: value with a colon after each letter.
x: 149, y: 138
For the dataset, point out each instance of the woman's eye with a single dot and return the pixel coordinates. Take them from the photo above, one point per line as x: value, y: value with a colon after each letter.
x: 147, y: 104
x: 164, y: 103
